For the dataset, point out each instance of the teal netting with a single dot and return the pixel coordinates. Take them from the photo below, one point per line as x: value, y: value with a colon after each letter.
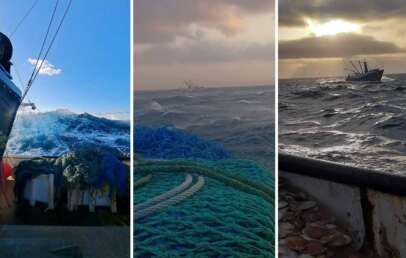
x: 226, y: 210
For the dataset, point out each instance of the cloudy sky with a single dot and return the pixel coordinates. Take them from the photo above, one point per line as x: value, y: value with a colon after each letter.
x: 318, y: 37
x: 213, y: 43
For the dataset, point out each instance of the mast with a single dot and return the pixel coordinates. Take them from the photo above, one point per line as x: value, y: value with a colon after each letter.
x: 354, y: 67
x: 188, y: 84
x: 360, y: 66
x: 365, y: 66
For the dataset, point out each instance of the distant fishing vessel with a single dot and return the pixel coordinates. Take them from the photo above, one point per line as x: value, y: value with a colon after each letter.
x: 190, y: 85
x: 363, y: 73
x: 10, y: 94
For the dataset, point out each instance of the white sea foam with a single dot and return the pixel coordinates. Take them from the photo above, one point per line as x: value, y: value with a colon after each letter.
x: 155, y: 106
x: 55, y: 132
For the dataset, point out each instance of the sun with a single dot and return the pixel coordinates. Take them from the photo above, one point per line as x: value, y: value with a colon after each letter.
x: 332, y: 27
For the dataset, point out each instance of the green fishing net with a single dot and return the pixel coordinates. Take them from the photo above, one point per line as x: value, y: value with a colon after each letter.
x: 80, y: 166
x: 93, y: 167
x: 230, y: 215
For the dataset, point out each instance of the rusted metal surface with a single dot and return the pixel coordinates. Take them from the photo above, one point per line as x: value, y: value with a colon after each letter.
x: 308, y: 230
x: 375, y: 212
x: 389, y: 224
x: 342, y: 200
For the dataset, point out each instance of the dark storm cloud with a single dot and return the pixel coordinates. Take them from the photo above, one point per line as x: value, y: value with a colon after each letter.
x: 294, y: 12
x: 205, y: 52
x: 161, y: 21
x: 341, y: 45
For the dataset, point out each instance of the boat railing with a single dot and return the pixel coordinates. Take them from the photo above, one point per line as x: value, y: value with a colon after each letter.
x: 372, y: 203
x: 339, y: 173
x: 14, y: 160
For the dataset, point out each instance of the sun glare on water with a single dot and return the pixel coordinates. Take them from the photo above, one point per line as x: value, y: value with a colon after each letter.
x: 332, y: 27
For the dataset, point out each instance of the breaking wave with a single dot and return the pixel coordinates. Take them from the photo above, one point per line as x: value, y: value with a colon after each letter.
x: 56, y: 132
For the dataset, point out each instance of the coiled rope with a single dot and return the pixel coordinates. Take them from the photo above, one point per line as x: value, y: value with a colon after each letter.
x: 142, y: 181
x: 231, y: 216
x: 222, y: 220
x: 172, y: 201
x: 175, y: 166
x: 188, y: 180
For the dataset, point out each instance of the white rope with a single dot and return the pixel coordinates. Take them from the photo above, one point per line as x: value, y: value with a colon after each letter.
x: 186, y: 183
x: 172, y: 201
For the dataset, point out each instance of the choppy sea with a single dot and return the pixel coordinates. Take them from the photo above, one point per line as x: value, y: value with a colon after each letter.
x: 241, y: 119
x: 359, y: 124
x: 56, y: 132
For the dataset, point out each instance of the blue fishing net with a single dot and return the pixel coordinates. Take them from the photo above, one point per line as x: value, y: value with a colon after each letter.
x: 94, y: 168
x: 172, y: 143
x: 112, y: 173
x: 85, y: 167
x: 231, y: 215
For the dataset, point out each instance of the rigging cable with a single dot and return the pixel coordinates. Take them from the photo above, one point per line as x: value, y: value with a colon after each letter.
x: 23, y: 18
x: 18, y: 75
x: 37, y: 69
x: 54, y: 37
x: 30, y: 103
x: 42, y: 48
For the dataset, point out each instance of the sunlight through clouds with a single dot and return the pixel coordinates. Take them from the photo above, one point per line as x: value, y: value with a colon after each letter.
x: 332, y: 27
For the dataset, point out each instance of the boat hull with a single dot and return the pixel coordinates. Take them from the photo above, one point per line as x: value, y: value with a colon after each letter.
x: 9, y: 104
x: 369, y: 202
x: 371, y: 76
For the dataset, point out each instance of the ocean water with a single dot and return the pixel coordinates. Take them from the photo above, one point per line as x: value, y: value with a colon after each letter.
x: 359, y: 124
x: 223, y: 218
x: 241, y: 119
x: 56, y: 132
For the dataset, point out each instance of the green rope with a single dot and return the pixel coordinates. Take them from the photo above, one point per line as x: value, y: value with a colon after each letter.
x: 176, y: 166
x: 170, y: 201
x: 166, y: 195
x: 142, y: 181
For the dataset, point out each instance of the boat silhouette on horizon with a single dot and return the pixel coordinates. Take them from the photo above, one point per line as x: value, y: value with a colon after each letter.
x: 363, y: 73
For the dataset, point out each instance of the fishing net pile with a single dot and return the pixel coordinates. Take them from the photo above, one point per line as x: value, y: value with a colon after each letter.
x: 94, y: 168
x: 188, y: 206
x: 82, y: 168
x: 170, y: 143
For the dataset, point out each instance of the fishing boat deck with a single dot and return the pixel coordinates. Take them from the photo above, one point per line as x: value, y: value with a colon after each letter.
x: 35, y: 232
x: 307, y: 229
x: 42, y: 241
x: 369, y: 205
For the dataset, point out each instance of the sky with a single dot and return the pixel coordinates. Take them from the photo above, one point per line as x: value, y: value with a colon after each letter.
x: 88, y: 69
x: 317, y: 38
x: 212, y: 43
